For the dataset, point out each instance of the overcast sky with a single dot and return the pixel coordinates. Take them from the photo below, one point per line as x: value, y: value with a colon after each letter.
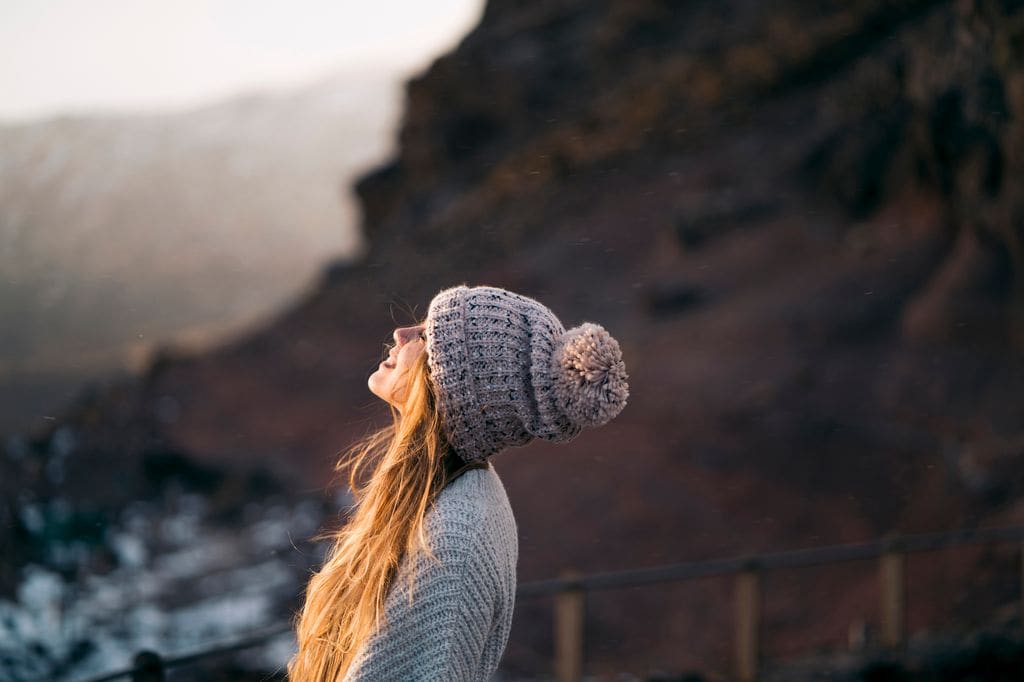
x: 80, y: 56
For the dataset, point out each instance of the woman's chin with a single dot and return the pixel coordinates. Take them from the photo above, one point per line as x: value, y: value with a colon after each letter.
x: 374, y: 382
x: 380, y: 383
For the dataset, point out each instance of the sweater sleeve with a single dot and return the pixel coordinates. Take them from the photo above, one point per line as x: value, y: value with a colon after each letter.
x: 442, y: 634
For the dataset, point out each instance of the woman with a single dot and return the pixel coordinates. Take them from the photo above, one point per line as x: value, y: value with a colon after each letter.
x: 420, y: 583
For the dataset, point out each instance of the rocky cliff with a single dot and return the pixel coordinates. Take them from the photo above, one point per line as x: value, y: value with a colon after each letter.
x: 803, y: 222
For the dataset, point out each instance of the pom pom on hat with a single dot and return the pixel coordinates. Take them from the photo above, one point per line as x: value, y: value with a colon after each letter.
x: 590, y: 380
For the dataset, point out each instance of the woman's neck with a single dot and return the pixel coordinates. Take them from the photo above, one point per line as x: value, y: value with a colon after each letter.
x: 455, y: 466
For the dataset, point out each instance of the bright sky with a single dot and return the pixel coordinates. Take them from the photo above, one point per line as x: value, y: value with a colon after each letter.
x: 61, y: 56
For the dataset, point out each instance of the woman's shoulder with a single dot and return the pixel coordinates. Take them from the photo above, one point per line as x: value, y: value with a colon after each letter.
x: 474, y: 506
x: 474, y: 491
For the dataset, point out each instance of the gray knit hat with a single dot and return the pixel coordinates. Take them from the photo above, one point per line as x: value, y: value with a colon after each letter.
x: 506, y: 371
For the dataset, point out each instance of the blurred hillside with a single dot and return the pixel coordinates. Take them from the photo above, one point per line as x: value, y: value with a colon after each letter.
x: 120, y: 232
x: 802, y: 222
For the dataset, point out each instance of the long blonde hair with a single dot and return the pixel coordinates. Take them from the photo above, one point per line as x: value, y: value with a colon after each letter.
x: 345, y: 599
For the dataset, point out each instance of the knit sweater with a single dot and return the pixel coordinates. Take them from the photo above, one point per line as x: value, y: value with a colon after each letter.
x: 459, y: 622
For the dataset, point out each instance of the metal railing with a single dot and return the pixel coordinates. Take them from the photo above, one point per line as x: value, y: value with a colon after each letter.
x: 570, y: 588
x: 149, y: 666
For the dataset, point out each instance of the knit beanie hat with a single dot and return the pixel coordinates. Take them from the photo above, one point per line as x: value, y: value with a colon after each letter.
x: 506, y: 371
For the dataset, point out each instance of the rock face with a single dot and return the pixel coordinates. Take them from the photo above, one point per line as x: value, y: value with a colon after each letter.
x: 803, y: 223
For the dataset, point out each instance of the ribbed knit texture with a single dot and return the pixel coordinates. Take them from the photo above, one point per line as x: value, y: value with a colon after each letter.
x: 458, y: 624
x: 507, y: 371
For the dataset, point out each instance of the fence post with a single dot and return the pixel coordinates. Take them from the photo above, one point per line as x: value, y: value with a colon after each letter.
x: 747, y: 620
x: 569, y: 631
x: 147, y: 666
x: 891, y: 573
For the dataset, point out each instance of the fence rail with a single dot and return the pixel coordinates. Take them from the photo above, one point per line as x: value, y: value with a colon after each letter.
x: 569, y: 590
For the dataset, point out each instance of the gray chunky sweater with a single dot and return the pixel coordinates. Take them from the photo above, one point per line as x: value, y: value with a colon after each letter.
x: 459, y: 622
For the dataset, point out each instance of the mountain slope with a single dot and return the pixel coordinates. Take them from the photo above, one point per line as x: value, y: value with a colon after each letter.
x: 802, y: 226
x: 118, y: 232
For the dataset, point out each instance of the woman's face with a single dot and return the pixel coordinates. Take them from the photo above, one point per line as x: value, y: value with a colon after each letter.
x: 388, y: 381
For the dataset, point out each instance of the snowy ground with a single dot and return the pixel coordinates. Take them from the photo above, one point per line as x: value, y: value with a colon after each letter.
x: 181, y: 584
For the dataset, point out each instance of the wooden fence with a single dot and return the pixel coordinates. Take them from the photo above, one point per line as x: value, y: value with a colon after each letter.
x: 571, y: 587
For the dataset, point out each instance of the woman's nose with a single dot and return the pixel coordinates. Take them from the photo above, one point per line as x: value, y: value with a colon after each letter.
x: 405, y: 334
